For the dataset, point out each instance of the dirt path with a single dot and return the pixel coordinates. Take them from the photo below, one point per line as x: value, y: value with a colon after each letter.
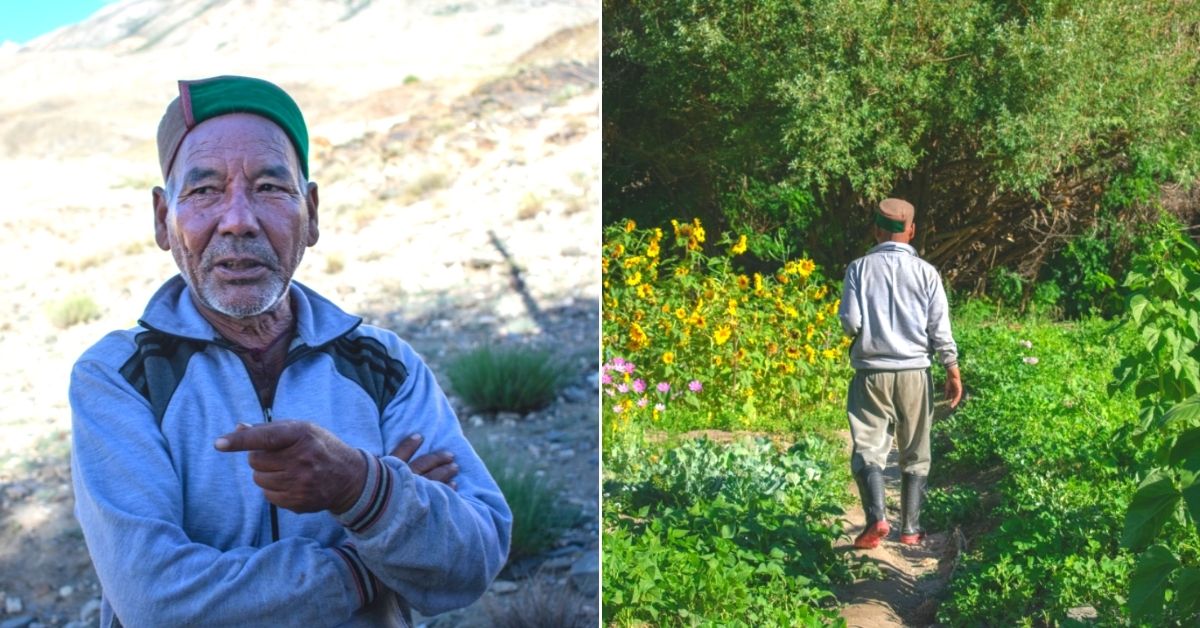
x: 905, y: 590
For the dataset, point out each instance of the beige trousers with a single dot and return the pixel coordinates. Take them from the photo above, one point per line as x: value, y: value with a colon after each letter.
x: 881, y: 404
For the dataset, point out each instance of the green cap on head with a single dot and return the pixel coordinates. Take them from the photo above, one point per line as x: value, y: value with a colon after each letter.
x: 208, y: 98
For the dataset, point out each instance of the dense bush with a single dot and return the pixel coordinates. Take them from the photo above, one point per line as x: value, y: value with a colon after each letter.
x: 1163, y: 370
x: 1010, y: 124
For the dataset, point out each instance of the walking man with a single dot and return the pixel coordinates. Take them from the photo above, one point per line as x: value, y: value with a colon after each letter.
x: 894, y: 306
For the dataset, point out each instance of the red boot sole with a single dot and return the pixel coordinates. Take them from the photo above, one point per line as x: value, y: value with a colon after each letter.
x: 912, y: 539
x: 869, y: 539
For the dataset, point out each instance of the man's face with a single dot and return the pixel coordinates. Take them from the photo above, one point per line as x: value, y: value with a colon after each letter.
x: 238, y: 215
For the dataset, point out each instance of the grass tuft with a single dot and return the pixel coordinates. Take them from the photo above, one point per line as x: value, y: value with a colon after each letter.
x: 75, y: 309
x: 540, y: 514
x: 512, y: 379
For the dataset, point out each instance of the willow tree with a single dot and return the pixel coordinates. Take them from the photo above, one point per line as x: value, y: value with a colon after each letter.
x: 1013, y: 126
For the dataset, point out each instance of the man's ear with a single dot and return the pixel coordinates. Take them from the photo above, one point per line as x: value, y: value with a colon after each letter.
x: 160, y: 218
x: 313, y: 199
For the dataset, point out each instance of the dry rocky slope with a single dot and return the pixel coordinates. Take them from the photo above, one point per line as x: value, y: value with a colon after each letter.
x: 456, y: 146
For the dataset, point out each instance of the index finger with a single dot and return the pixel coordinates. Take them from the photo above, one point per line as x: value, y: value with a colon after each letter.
x: 264, y: 436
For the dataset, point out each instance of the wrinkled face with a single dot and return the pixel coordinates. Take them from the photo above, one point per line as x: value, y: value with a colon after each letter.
x: 237, y: 214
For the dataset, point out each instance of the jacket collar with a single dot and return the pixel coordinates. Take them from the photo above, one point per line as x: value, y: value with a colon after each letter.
x: 893, y: 247
x: 172, y: 311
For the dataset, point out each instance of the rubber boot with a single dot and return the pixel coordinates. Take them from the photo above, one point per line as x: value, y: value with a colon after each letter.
x: 870, y: 489
x: 912, y: 493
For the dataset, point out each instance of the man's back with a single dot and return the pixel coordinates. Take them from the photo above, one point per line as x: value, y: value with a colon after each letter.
x: 894, y: 304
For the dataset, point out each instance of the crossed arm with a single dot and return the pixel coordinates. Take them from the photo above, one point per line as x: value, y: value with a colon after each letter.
x: 436, y: 549
x: 305, y: 468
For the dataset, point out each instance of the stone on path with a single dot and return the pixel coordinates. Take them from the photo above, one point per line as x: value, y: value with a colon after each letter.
x: 585, y: 574
x: 17, y: 622
x: 89, y: 610
x: 13, y: 605
x: 502, y: 587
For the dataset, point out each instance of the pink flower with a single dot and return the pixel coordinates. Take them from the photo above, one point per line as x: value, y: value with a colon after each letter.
x: 660, y: 407
x: 643, y: 402
x: 622, y: 387
x: 629, y: 368
x: 663, y: 387
x: 639, y: 386
x: 618, y: 363
x: 695, y: 386
x: 618, y: 409
x: 606, y: 378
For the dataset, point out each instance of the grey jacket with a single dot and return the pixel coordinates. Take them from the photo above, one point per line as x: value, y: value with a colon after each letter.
x: 179, y: 533
x: 894, y: 305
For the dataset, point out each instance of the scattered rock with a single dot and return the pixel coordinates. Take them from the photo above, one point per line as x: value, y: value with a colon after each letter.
x: 585, y: 574
x: 13, y: 605
x: 66, y: 591
x: 18, y: 622
x: 17, y: 491
x: 1082, y: 613
x: 89, y: 610
x: 475, y: 421
x: 501, y: 587
x: 558, y: 563
x: 576, y: 393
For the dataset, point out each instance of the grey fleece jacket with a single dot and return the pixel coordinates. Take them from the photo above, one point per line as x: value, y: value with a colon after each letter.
x: 894, y: 305
x: 179, y: 533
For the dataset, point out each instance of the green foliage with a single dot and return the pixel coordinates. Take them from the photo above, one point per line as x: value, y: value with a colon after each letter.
x: 514, y: 379
x: 1164, y: 307
x: 1060, y: 472
x: 73, y: 310
x: 951, y: 505
x: 1082, y: 271
x: 746, y: 110
x: 1007, y: 287
x: 540, y: 515
x: 736, y: 535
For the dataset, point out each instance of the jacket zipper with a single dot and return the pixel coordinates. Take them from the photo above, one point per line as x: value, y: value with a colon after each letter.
x: 274, y: 510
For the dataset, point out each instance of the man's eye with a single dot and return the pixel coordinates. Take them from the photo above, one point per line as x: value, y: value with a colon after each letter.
x: 202, y: 190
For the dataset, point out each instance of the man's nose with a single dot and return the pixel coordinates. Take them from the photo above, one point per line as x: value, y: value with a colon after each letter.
x: 238, y: 218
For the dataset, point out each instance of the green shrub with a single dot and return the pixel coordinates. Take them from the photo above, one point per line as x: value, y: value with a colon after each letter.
x: 540, y: 515
x: 737, y: 535
x: 75, y: 309
x: 1062, y: 471
x: 513, y: 379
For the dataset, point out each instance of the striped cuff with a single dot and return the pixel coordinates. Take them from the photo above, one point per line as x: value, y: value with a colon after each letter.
x: 377, y: 491
x: 364, y: 581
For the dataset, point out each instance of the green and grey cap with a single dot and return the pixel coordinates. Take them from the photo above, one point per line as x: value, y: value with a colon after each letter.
x: 211, y: 97
x: 894, y: 215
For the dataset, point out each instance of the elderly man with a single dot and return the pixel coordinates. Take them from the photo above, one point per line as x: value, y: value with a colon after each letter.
x: 240, y: 456
x: 894, y: 306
